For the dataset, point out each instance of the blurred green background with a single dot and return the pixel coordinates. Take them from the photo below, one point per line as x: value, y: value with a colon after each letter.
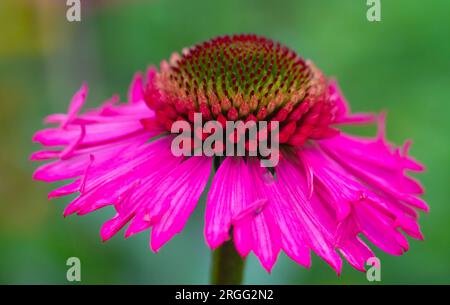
x: 401, y: 64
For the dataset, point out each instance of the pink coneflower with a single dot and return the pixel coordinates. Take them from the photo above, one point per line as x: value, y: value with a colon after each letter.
x: 328, y: 190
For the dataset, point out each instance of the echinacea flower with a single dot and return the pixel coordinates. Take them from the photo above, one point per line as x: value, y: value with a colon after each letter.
x: 328, y: 190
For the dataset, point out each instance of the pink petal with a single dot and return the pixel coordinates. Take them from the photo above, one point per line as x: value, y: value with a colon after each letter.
x: 76, y: 164
x: 181, y: 191
x: 75, y: 105
x: 135, y: 93
x: 106, y: 184
x: 292, y: 241
x: 314, y: 222
x: 377, y: 229
x: 229, y: 201
x: 228, y: 191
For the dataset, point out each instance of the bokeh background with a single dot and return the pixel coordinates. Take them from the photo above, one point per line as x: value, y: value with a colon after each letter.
x: 401, y: 64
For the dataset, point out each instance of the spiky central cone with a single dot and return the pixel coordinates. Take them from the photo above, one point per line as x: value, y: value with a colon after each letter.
x: 244, y: 77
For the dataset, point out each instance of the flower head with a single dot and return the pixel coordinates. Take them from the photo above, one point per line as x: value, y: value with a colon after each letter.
x: 245, y: 77
x: 328, y: 190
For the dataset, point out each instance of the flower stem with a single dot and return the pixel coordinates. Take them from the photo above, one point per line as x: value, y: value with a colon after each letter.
x: 228, y: 265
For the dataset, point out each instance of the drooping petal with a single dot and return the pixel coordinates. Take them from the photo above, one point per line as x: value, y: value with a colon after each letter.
x: 377, y: 229
x: 355, y: 251
x: 96, y: 134
x: 135, y: 199
x: 76, y: 165
x: 374, y: 163
x: 260, y: 224
x: 228, y: 194
x: 376, y: 217
x: 292, y: 241
x: 314, y: 221
x: 181, y: 191
x: 105, y: 185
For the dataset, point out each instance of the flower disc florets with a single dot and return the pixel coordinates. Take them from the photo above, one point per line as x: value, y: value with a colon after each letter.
x: 248, y: 78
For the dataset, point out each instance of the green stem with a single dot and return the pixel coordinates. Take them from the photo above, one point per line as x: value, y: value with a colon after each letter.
x: 228, y: 265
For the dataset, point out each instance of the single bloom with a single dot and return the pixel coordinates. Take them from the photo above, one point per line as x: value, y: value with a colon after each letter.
x: 328, y: 190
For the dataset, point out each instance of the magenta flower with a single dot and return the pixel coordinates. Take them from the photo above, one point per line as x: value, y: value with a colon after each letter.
x: 328, y: 189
